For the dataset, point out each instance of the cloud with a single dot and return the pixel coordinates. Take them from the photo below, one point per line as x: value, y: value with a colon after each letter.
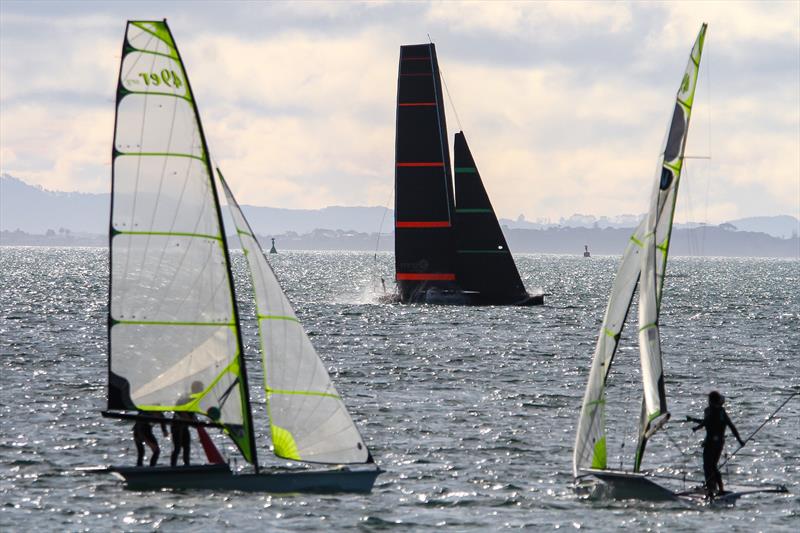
x: 564, y: 104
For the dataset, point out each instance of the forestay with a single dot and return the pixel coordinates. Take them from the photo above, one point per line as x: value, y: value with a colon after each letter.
x: 308, y: 420
x: 656, y: 246
x: 174, y: 343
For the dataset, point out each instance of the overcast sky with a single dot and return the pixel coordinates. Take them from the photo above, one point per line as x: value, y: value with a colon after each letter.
x: 564, y: 104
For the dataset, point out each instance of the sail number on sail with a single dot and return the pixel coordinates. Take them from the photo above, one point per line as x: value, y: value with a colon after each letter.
x: 167, y: 77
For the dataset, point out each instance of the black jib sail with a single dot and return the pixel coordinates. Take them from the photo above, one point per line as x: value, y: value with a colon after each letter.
x: 484, y: 265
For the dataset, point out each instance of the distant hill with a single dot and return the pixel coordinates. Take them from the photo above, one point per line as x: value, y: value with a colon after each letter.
x: 32, y: 215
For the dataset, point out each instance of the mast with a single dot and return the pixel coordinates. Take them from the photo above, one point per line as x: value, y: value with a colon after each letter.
x: 245, y: 386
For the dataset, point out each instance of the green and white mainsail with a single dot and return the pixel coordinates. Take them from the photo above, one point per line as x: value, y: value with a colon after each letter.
x: 174, y: 340
x: 308, y: 420
x: 644, y: 261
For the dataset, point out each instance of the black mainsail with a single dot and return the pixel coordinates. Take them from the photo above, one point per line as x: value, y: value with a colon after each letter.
x: 423, y: 184
x: 448, y: 248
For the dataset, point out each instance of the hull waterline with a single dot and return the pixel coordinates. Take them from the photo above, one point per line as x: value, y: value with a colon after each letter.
x: 220, y: 477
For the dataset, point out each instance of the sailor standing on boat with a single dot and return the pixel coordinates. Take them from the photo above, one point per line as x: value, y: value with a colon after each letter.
x: 714, y: 420
x: 143, y: 434
x: 181, y: 420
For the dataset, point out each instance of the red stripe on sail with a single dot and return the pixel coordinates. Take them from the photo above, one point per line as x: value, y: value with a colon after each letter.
x: 416, y: 104
x: 406, y: 276
x: 430, y: 164
x: 423, y: 224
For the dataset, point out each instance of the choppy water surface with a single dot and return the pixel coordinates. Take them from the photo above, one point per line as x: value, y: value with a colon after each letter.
x: 471, y: 411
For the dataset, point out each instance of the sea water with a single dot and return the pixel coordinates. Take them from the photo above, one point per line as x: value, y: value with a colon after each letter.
x: 470, y: 410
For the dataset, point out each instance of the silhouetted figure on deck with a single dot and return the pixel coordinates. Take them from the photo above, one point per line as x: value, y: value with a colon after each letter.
x: 181, y: 421
x: 714, y: 420
x: 143, y: 434
x: 181, y: 440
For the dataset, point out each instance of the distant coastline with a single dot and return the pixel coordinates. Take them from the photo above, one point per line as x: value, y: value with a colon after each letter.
x: 706, y: 241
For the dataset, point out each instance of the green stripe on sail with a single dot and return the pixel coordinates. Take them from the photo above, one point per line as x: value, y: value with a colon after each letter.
x: 171, y: 234
x: 159, y: 93
x: 482, y: 251
x: 637, y: 242
x: 158, y: 31
x: 168, y: 56
x: 284, y: 443
x: 301, y: 393
x: 648, y: 326
x: 609, y: 333
x: 676, y: 168
x: 278, y: 317
x: 466, y: 170
x: 160, y: 154
x: 599, y: 454
x: 474, y: 210
x: 242, y: 232
x: 169, y: 323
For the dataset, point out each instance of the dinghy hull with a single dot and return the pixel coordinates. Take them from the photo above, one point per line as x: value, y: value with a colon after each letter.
x: 220, y: 477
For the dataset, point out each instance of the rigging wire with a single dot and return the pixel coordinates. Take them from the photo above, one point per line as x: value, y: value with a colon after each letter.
x: 759, y: 428
x: 447, y: 91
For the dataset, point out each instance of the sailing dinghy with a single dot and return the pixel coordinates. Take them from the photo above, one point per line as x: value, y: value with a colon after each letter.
x: 174, y: 334
x: 643, y: 263
x: 449, y: 248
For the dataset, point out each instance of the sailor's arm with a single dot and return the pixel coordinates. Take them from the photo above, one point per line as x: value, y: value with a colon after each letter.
x: 733, y: 429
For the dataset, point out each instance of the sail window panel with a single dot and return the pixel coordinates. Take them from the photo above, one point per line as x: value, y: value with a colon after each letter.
x: 156, y: 124
x: 152, y: 73
x: 416, y: 89
x: 423, y: 250
x: 171, y: 365
x: 170, y: 278
x: 152, y: 37
x: 163, y: 194
x: 418, y: 139
x: 414, y: 193
x: 321, y: 428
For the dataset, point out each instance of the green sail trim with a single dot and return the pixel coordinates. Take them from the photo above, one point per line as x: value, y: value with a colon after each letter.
x: 166, y: 323
x: 159, y: 31
x: 278, y: 317
x: 302, y: 393
x: 599, y: 457
x: 474, y: 210
x: 170, y: 234
x: 159, y: 154
x: 284, y: 443
x: 466, y: 170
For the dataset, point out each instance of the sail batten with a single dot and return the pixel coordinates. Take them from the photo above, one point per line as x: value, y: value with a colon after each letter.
x: 174, y: 341
x: 308, y: 420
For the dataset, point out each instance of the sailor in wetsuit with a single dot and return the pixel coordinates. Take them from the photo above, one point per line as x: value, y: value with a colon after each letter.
x: 180, y: 438
x: 714, y: 420
x: 143, y: 434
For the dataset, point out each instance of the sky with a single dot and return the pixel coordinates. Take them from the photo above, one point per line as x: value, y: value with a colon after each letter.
x: 564, y: 104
